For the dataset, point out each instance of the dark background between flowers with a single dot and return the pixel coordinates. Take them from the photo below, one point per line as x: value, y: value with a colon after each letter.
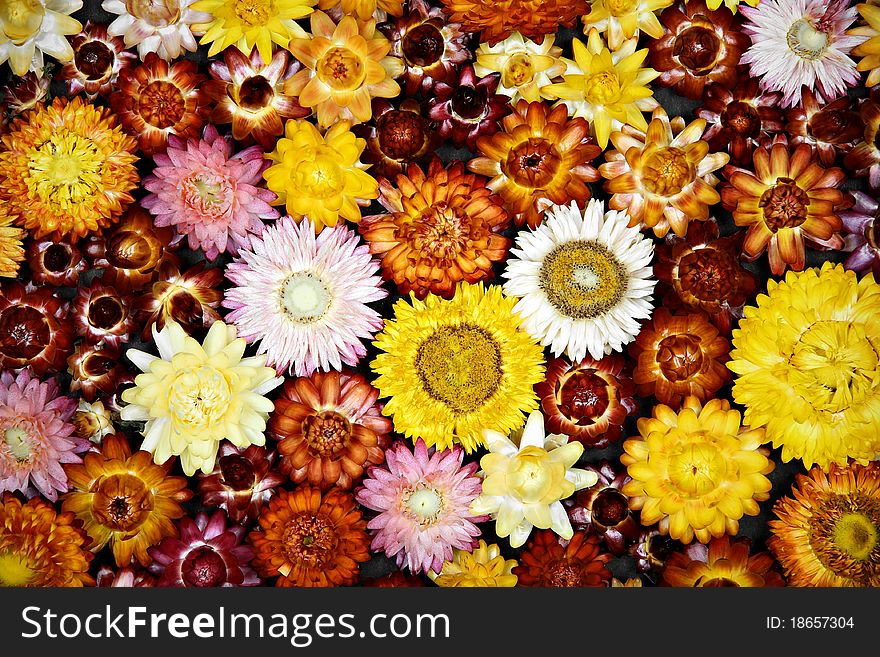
x: 782, y: 477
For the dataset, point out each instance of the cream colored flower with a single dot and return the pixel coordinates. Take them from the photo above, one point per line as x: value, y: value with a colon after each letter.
x: 160, y: 26
x: 523, y: 486
x: 525, y: 66
x: 194, y: 395
x: 29, y: 28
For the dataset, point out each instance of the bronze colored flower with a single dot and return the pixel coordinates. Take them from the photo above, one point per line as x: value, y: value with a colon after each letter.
x: 97, y: 61
x: 189, y: 298
x: 396, y: 138
x: 864, y: 160
x: 35, y: 329
x: 604, y: 509
x: 531, y: 18
x: 100, y: 313
x: 96, y: 369
x: 54, y: 260
x: 724, y: 562
x: 549, y: 561
x: 831, y: 128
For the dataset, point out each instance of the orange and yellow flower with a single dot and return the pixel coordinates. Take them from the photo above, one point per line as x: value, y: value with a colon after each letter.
x: 497, y: 20
x: 320, y: 176
x: 541, y: 157
x: 345, y: 66
x: 124, y: 499
x: 724, y: 562
x: 868, y: 50
x: 364, y: 10
x: 619, y: 20
x: 696, y: 472
x: 441, y: 228
x: 40, y: 548
x: 663, y: 178
x: 610, y: 89
x: 11, y: 250
x: 789, y: 198
x: 828, y: 532
x: 67, y: 168
x: 307, y: 539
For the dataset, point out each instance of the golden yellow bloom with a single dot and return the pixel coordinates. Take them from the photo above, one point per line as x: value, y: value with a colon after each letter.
x: 524, y: 65
x: 345, y: 66
x: 609, y: 89
x: 320, y: 176
x: 808, y: 360
x: 454, y: 368
x: 67, y: 168
x: 364, y: 9
x: 663, y: 178
x: 730, y: 4
x: 484, y: 567
x: 29, y: 28
x: 524, y: 484
x: 828, y: 532
x: 195, y: 395
x: 697, y: 472
x: 11, y: 250
x: 623, y: 19
x: 869, y: 50
x: 249, y: 23
x: 40, y: 548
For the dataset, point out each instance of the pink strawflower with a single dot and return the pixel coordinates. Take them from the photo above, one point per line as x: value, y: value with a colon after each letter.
x: 207, y: 554
x: 304, y: 297
x: 208, y: 194
x: 36, y: 436
x: 423, y: 498
x: 802, y: 42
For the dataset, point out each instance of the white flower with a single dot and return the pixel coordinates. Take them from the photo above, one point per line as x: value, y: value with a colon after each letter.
x: 29, y: 28
x: 304, y: 297
x: 584, y: 282
x: 525, y: 66
x: 523, y: 486
x: 160, y: 26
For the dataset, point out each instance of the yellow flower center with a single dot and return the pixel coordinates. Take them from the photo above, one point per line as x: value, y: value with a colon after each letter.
x: 321, y: 177
x: 696, y: 469
x: 341, y: 69
x: 21, y: 19
x: 158, y: 13
x: 459, y: 366
x: 621, y: 7
x: 666, y: 172
x: 805, y: 41
x: 835, y: 366
x: 518, y: 70
x: 16, y: 440
x: 856, y: 535
x: 66, y: 169
x: 15, y: 569
x: 425, y: 504
x: 582, y: 279
x: 304, y: 298
x: 199, y: 397
x: 602, y: 88
x: 254, y: 12
x: 533, y: 477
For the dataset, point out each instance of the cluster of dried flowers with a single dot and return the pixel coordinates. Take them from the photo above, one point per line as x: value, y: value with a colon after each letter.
x: 250, y: 332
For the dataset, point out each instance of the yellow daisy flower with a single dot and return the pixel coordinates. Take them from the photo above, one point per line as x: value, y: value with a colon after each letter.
x: 346, y: 65
x: 68, y: 168
x: 484, y: 567
x: 195, y: 395
x: 869, y: 50
x: 525, y: 66
x: 608, y: 88
x: 320, y: 176
x: 696, y: 472
x: 808, y: 360
x: 619, y: 20
x: 453, y: 368
x: 249, y: 23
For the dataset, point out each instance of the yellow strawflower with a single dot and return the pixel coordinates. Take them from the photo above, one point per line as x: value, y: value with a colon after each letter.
x: 484, y: 567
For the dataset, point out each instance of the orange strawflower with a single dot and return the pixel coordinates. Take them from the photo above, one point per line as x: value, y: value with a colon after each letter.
x: 498, y: 19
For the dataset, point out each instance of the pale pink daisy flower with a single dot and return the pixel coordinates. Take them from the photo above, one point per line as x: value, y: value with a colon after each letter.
x: 802, y: 42
x: 423, y: 498
x: 304, y: 297
x: 160, y: 26
x: 36, y: 436
x: 208, y: 194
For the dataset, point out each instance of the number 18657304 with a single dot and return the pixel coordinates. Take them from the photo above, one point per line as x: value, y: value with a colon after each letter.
x: 810, y: 623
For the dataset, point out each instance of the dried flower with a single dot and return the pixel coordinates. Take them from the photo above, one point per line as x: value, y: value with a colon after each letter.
x: 35, y: 330
x: 549, y: 561
x: 98, y: 58
x: 54, y: 260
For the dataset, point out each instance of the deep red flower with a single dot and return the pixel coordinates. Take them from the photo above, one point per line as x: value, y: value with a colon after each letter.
x: 468, y: 107
x: 550, y: 561
x: 35, y: 329
x: 604, y: 509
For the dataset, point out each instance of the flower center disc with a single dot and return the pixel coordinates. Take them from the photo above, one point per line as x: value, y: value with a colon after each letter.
x: 602, y: 88
x: 784, y: 205
x: 121, y: 502
x: 17, y: 440
x: 158, y: 13
x: 341, y: 69
x: 583, y: 397
x: 425, y: 504
x: 741, y: 118
x: 680, y: 357
x: 24, y: 332
x: 856, y: 535
x: 533, y: 163
x: 21, y: 19
x: 255, y: 93
x: 423, y: 45
x: 326, y: 432
x: 610, y: 508
x: 401, y: 134
x: 129, y: 250
x: 203, y: 567
x: 459, y: 366
x: 666, y: 171
x: 620, y: 7
x: 309, y: 540
x: 304, y: 298
x: 695, y: 469
x: 698, y: 49
x: 531, y: 475
x: 161, y: 104
x: 105, y: 313
x: 320, y: 176
x: 582, y: 279
x: 94, y: 59
x: 707, y: 274
x: 15, y: 569
x: 199, y: 398
x: 805, y: 41
x: 719, y: 582
x: 237, y: 472
x: 518, y: 70
x: 469, y: 103
x: 254, y: 12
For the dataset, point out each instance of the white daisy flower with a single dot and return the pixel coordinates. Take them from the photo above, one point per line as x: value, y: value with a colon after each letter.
x: 160, y: 26
x: 802, y: 42
x: 584, y: 280
x: 303, y: 297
